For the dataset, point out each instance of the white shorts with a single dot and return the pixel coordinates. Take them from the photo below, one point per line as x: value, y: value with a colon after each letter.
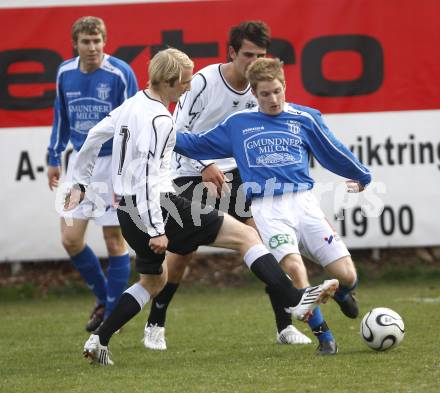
x: 294, y: 223
x: 98, y: 204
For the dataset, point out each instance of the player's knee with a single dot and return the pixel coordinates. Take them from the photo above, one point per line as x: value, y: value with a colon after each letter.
x: 153, y: 283
x: 293, y: 266
x: 350, y: 278
x: 176, y: 266
x: 348, y: 275
x: 72, y: 244
x: 115, y: 243
x: 248, y: 235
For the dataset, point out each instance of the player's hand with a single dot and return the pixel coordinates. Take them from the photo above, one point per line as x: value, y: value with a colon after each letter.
x: 158, y: 244
x: 53, y: 176
x: 215, y: 181
x: 354, y: 186
x: 73, y: 198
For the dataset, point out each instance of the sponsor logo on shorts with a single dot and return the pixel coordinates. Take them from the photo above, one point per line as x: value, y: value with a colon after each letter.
x: 330, y: 238
x: 280, y: 239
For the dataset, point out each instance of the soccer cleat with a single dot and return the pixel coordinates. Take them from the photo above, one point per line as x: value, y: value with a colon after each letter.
x: 154, y: 337
x: 348, y: 305
x: 96, y: 318
x: 97, y: 353
x: 326, y: 348
x: 291, y: 335
x: 313, y: 296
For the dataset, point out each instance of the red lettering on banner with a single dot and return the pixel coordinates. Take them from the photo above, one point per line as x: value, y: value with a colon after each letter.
x: 340, y: 56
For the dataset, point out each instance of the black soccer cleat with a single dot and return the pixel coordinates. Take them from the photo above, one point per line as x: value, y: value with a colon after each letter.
x: 96, y: 318
x: 348, y: 305
x: 327, y: 348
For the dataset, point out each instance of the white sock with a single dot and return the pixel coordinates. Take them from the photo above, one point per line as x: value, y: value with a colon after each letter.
x: 254, y: 253
x: 139, y: 293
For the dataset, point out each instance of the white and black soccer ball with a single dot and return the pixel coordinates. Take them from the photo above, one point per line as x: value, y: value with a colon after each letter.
x: 382, y: 329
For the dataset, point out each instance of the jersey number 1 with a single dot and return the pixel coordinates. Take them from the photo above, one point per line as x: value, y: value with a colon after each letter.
x: 125, y: 137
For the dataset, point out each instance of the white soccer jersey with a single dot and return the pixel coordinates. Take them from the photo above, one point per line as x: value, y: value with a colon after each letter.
x: 210, y: 100
x: 143, y: 140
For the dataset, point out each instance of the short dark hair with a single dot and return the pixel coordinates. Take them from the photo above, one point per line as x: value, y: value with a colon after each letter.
x: 255, y: 31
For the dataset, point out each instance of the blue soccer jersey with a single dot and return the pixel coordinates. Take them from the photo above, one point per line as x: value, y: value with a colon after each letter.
x: 272, y: 152
x: 84, y: 99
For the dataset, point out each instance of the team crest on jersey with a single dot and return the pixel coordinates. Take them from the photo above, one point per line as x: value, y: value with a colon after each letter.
x: 250, y: 104
x: 103, y: 91
x: 280, y: 239
x: 294, y: 126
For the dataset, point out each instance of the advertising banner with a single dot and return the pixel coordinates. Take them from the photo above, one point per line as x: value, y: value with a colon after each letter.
x: 371, y: 67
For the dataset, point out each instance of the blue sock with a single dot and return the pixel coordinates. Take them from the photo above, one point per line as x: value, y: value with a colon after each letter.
x: 87, y: 263
x: 319, y: 326
x: 118, y: 273
x: 343, y: 291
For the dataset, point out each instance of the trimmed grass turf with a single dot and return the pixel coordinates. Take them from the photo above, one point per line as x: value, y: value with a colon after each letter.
x: 220, y: 340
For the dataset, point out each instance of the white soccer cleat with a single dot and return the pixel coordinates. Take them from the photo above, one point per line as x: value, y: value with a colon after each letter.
x: 154, y: 337
x: 313, y: 296
x: 291, y: 335
x: 97, y: 353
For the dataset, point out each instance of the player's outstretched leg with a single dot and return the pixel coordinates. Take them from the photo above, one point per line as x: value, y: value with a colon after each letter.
x: 240, y: 237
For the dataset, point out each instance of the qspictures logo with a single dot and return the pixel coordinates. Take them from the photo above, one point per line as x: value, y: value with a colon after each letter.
x: 280, y: 239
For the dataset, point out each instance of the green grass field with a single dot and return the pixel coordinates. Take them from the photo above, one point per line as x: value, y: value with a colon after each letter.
x: 220, y: 340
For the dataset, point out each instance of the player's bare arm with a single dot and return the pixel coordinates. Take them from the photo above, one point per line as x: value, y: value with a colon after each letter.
x: 53, y: 176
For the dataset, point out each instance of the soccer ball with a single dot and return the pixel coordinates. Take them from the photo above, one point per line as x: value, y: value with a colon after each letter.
x: 382, y: 329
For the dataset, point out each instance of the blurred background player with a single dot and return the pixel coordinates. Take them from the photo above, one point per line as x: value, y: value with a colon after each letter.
x: 153, y: 218
x: 217, y: 91
x: 274, y: 159
x: 89, y: 86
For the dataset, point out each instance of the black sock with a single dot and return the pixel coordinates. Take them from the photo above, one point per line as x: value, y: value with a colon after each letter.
x: 282, y: 318
x: 266, y: 268
x: 159, y: 305
x: 125, y: 310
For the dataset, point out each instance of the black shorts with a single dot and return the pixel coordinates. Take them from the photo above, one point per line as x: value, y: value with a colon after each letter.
x: 235, y: 203
x: 185, y: 230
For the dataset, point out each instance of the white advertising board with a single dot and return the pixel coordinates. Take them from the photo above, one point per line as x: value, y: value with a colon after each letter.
x: 399, y: 209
